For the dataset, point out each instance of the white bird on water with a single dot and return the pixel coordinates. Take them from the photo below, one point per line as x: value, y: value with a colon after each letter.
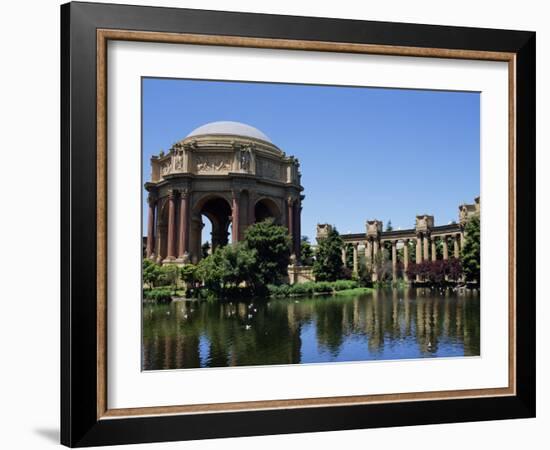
x: 248, y: 327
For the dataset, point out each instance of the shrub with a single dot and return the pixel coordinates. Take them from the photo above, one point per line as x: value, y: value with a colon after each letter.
x: 169, y: 276
x: 282, y: 290
x: 342, y: 285
x: 454, y: 269
x: 203, y: 293
x: 311, y: 288
x: 323, y: 287
x: 151, y: 272
x: 158, y: 295
x: 434, y: 272
x: 300, y: 289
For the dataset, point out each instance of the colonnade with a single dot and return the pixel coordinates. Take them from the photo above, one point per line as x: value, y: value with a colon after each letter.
x: 426, y: 250
x: 169, y: 223
x: 170, y: 241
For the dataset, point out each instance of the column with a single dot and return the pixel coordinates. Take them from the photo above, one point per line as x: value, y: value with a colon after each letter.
x: 235, y: 217
x: 355, y: 261
x: 368, y: 253
x: 374, y: 255
x: 171, y: 247
x: 394, y: 260
x: 290, y: 216
x: 405, y: 259
x: 434, y: 252
x: 298, y: 228
x: 445, y: 249
x: 426, y: 256
x: 456, y: 250
x: 160, y: 243
x: 418, y: 252
x: 183, y: 238
x: 461, y: 239
x: 418, y: 248
x: 344, y: 255
x: 151, y: 227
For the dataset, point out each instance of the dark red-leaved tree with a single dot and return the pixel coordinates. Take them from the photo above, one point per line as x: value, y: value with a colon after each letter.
x: 436, y: 272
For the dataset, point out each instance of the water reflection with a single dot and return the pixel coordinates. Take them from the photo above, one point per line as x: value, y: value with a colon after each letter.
x: 387, y: 324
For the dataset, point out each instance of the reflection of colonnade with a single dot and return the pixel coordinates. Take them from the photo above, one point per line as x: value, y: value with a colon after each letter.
x: 427, y: 241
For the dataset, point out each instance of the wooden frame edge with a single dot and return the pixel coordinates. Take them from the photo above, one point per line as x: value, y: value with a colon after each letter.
x: 290, y: 44
x: 303, y: 403
x: 512, y: 271
x: 103, y: 35
x: 101, y: 224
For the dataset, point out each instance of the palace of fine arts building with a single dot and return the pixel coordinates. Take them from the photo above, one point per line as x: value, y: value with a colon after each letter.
x: 235, y: 176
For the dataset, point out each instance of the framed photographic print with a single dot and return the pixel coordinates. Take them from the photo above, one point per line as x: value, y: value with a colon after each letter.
x: 277, y: 224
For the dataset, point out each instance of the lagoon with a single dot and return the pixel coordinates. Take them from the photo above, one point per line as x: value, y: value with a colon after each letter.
x: 386, y: 324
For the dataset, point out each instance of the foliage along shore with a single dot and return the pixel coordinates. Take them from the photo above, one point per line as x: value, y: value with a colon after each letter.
x: 309, y: 289
x: 317, y: 288
x: 257, y: 267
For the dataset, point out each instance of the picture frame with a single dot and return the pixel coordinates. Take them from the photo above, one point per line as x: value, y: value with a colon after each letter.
x: 86, y: 418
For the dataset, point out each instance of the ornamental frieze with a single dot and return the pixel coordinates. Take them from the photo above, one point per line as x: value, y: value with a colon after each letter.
x: 166, y: 167
x: 212, y: 163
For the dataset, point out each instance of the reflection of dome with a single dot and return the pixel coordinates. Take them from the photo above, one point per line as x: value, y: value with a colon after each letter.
x: 229, y: 128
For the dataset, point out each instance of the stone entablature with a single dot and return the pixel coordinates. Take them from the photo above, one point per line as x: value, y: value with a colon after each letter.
x: 224, y: 155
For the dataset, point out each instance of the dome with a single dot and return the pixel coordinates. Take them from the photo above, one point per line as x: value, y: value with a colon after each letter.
x: 229, y: 128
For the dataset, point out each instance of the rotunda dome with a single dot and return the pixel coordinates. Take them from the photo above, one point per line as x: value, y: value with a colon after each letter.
x: 229, y: 128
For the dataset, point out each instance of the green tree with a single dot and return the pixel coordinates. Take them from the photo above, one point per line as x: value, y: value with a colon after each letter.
x: 389, y: 226
x: 210, y: 271
x: 188, y: 274
x: 227, y: 267
x: 471, y: 250
x: 239, y: 265
x: 151, y: 272
x: 328, y: 260
x: 169, y: 275
x: 271, y: 243
x: 306, y: 251
x: 205, y: 249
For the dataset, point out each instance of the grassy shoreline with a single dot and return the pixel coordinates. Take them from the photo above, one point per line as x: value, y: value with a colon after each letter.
x: 355, y: 291
x: 309, y: 289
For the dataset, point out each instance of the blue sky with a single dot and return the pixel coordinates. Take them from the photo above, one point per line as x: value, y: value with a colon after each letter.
x: 365, y: 153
